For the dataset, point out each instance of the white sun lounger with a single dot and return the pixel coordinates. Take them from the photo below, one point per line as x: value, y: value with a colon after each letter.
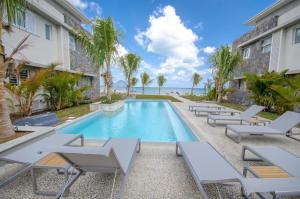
x: 115, y: 155
x: 199, y: 111
x: 193, y: 107
x: 210, y: 167
x: 243, y: 116
x: 281, y: 126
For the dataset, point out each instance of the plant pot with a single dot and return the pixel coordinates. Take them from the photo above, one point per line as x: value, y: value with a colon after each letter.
x: 97, y: 106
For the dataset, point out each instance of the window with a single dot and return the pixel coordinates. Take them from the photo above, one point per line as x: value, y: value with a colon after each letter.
x: 48, y: 31
x: 13, y: 79
x: 24, y: 74
x: 246, y: 53
x: 297, y: 36
x: 266, y: 45
x: 72, y: 44
x: 30, y: 22
x: 20, y: 18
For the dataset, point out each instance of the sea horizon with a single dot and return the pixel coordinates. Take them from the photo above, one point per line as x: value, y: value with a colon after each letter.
x: 164, y: 90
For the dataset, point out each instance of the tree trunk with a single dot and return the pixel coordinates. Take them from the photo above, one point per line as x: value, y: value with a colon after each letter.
x: 128, y: 85
x: 219, y: 93
x: 6, y: 128
x: 192, y: 91
x: 109, y: 84
x: 143, y: 89
x: 99, y: 79
x: 159, y: 90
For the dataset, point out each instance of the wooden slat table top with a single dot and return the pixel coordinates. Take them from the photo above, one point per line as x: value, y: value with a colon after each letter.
x: 269, y: 172
x: 52, y: 160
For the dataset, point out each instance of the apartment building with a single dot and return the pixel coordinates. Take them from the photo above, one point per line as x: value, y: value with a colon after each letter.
x: 273, y: 45
x: 49, y: 24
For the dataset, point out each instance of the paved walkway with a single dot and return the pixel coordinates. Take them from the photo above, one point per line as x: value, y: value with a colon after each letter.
x: 157, y: 172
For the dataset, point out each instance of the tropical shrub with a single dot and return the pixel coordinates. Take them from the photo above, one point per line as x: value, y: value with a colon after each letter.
x: 26, y: 92
x: 114, y: 98
x: 274, y: 90
x: 61, y: 90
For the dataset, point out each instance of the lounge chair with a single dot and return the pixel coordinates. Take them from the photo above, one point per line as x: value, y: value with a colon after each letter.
x: 115, y: 154
x: 244, y: 116
x: 210, y: 167
x: 285, y: 160
x: 281, y: 126
x: 193, y: 107
x: 215, y: 110
x: 29, y: 154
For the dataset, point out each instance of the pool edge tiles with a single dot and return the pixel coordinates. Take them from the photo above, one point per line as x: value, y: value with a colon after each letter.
x: 170, y: 127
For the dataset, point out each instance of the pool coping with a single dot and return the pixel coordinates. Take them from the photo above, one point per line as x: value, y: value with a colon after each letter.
x: 191, y: 127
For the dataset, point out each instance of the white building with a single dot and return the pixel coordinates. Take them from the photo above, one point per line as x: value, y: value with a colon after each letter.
x: 49, y: 24
x: 273, y: 44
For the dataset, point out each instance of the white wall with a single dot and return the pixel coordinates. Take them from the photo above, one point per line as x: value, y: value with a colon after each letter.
x: 290, y: 52
x: 40, y: 50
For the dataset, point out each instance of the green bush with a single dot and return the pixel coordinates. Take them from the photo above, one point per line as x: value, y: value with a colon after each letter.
x: 114, y: 98
x: 276, y: 91
x: 62, y: 90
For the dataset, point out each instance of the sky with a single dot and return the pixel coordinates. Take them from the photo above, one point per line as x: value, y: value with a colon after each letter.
x: 174, y: 37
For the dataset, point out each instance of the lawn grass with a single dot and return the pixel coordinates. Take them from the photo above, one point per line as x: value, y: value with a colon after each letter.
x: 194, y: 98
x: 157, y: 97
x: 75, y: 111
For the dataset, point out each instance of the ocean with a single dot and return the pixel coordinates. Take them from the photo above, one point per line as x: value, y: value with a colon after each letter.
x: 164, y: 90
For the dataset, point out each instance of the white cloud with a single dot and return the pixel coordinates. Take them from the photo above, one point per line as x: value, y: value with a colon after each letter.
x: 122, y: 50
x: 85, y: 5
x: 169, y: 37
x: 209, y: 49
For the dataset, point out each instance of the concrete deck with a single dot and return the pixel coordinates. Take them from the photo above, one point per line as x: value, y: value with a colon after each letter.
x: 157, y: 172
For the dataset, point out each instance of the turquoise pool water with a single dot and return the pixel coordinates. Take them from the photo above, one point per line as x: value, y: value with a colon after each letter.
x: 147, y: 120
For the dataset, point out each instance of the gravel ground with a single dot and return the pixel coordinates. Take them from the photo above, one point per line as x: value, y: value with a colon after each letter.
x: 157, y: 172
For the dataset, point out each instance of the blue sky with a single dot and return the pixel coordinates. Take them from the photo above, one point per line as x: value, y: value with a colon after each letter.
x: 174, y: 37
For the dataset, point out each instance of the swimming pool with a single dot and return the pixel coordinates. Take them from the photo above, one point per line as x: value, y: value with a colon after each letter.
x: 148, y: 120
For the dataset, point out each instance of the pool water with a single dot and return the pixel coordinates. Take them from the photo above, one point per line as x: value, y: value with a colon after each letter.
x: 148, y: 120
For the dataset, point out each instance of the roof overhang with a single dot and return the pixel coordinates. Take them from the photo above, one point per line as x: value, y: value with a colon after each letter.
x: 69, y: 7
x: 267, y: 11
x: 290, y: 22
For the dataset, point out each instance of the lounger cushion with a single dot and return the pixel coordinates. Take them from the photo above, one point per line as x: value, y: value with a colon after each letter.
x: 259, y: 130
x: 206, y: 164
x: 279, y: 157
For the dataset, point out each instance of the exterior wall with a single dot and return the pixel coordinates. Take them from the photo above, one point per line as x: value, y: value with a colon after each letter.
x: 289, y: 52
x: 284, y: 52
x: 39, y: 50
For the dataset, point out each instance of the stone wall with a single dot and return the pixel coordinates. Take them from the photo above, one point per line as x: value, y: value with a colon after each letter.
x: 260, y: 28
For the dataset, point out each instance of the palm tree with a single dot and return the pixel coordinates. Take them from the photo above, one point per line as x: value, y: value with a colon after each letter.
x: 93, y: 46
x: 101, y: 47
x: 145, y: 79
x: 130, y: 64
x: 223, y: 61
x: 10, y: 6
x: 134, y: 81
x: 161, y: 80
x: 196, y: 80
